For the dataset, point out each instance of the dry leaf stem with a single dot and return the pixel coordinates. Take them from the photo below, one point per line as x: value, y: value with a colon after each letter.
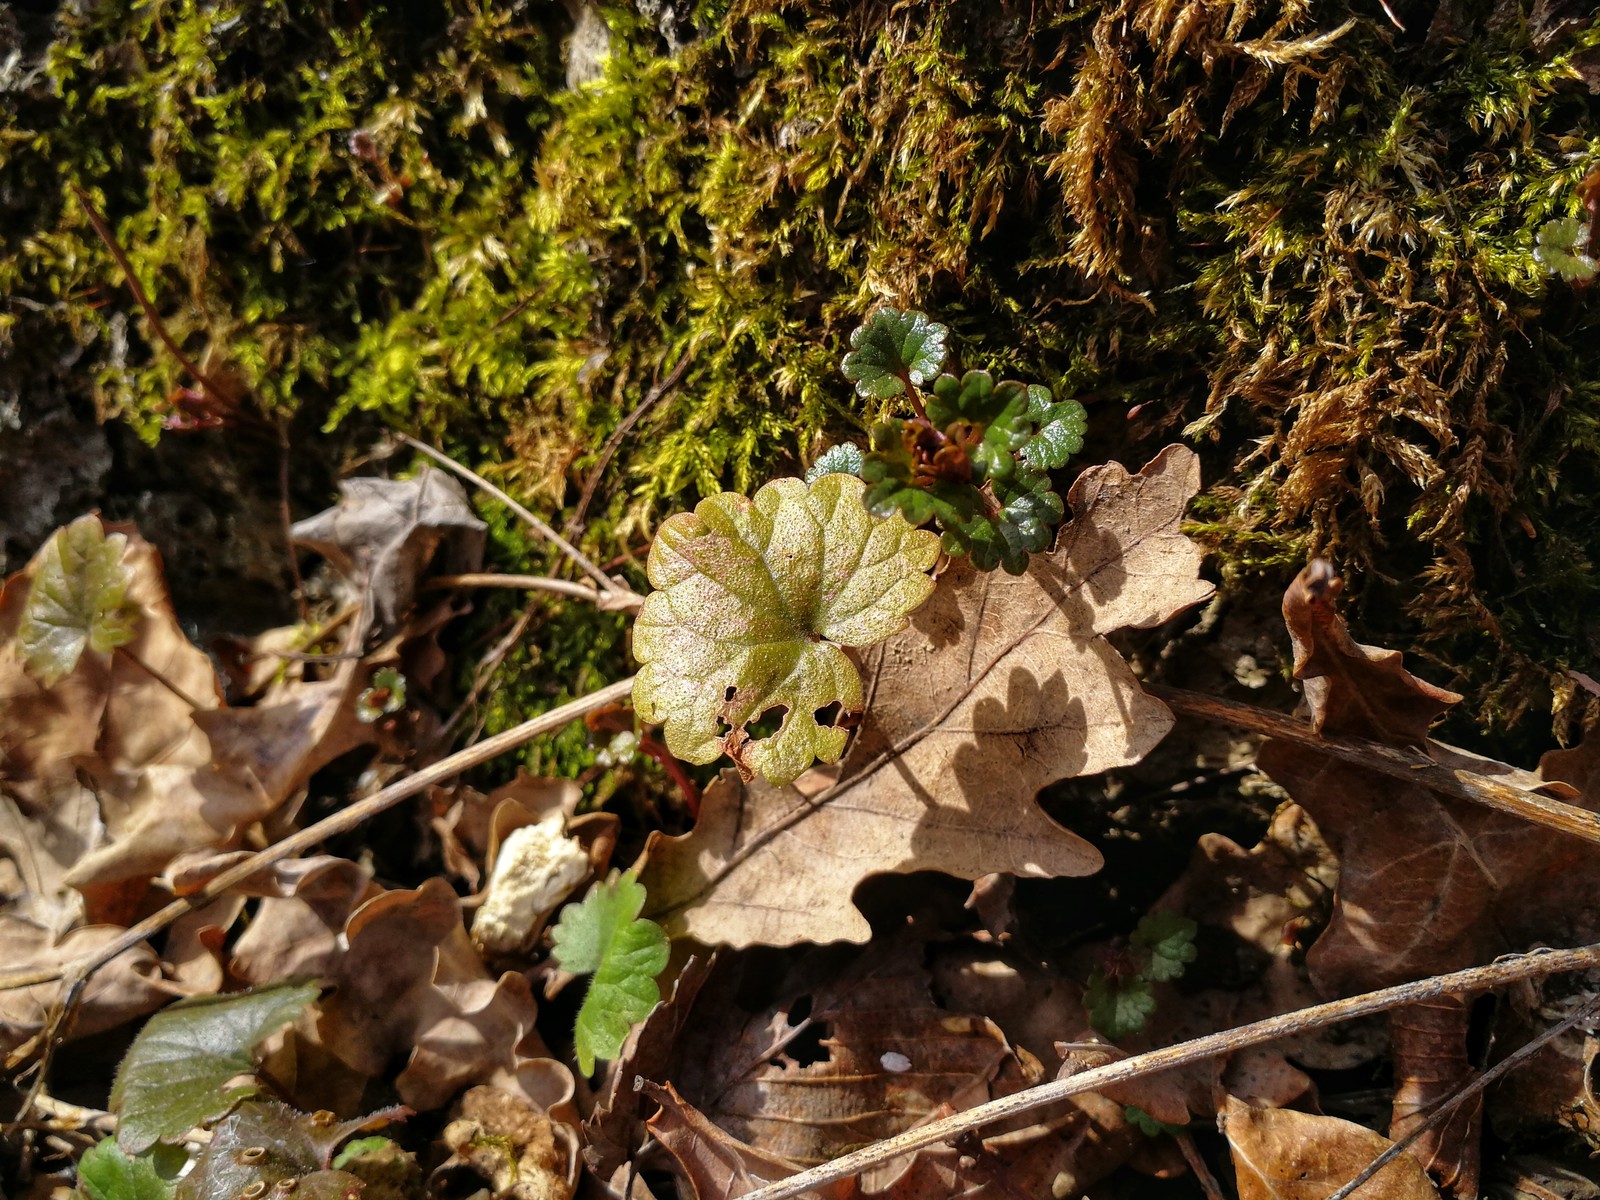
x: 1509, y: 969
x: 306, y: 839
x: 544, y: 530
x: 1408, y: 765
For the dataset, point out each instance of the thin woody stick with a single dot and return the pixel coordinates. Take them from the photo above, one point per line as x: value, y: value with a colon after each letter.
x: 340, y: 822
x: 1507, y: 970
x: 611, y: 601
x: 1407, y: 765
x: 540, y: 527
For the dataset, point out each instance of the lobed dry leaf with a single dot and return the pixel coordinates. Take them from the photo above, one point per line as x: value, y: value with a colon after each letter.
x: 998, y: 687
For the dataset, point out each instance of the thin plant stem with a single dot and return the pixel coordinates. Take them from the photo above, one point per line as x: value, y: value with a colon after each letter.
x: 653, y: 397
x: 614, y: 600
x: 540, y: 527
x: 1475, y: 979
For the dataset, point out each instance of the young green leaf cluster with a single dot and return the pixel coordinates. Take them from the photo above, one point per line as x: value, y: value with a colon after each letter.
x: 1120, y: 999
x: 974, y: 456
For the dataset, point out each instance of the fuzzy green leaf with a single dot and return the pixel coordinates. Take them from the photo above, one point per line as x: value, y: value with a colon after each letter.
x: 105, y: 1172
x: 265, y: 1143
x: 1563, y: 247
x: 1000, y: 410
x: 890, y: 347
x: 1060, y: 430
x: 173, y: 1075
x: 1169, y: 940
x: 845, y: 459
x: 1118, y: 1006
x: 889, y: 472
x: 755, y: 600
x: 78, y: 600
x: 603, y: 936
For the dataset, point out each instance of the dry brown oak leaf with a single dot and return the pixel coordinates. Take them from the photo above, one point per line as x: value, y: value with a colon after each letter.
x: 1280, y: 1154
x: 1426, y: 884
x: 999, y: 686
x: 851, y: 1053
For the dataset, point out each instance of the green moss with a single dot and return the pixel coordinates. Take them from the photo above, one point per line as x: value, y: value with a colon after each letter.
x: 1307, y: 245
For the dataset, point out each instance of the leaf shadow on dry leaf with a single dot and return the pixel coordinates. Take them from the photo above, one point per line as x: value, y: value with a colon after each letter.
x: 1000, y: 685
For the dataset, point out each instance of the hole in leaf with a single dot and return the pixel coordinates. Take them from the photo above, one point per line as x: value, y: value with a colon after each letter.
x: 730, y: 693
x: 808, y: 1047
x: 799, y: 1012
x: 767, y: 724
x: 828, y: 715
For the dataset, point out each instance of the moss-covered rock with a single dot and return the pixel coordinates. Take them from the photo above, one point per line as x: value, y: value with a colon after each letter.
x: 1302, y: 237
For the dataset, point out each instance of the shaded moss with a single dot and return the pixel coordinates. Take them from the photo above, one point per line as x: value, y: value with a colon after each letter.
x: 1303, y: 241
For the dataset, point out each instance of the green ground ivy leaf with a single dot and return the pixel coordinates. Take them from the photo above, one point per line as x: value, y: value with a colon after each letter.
x: 1169, y: 940
x: 845, y: 459
x: 78, y: 600
x: 1001, y: 410
x: 890, y: 347
x: 603, y: 936
x: 1029, y: 512
x: 1118, y: 1006
x: 105, y: 1172
x: 173, y: 1076
x: 755, y: 600
x: 1060, y: 430
x: 1148, y: 1125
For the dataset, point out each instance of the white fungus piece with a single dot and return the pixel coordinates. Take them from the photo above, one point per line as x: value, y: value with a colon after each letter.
x: 893, y: 1060
x: 537, y: 868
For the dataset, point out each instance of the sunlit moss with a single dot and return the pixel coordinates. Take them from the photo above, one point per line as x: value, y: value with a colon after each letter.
x: 1307, y: 244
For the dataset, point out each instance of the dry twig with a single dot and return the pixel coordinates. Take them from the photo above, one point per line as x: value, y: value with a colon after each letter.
x: 539, y: 526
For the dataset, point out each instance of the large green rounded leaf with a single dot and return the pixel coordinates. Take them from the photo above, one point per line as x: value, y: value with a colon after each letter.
x: 756, y: 598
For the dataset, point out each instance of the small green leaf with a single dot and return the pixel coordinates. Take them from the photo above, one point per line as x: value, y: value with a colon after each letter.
x: 262, y: 1146
x: 173, y: 1076
x: 1563, y: 247
x: 1000, y: 411
x: 1169, y: 940
x: 78, y: 600
x: 890, y: 347
x: 386, y: 695
x: 105, y: 1172
x: 359, y: 1148
x: 845, y: 459
x: 1118, y: 1006
x: 604, y: 936
x: 1146, y: 1124
x: 755, y: 600
x: 1024, y: 525
x: 1060, y: 430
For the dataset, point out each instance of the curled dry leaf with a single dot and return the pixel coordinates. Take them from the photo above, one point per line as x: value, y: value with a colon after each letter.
x: 1280, y: 1154
x: 385, y: 533
x: 407, y: 984
x: 1427, y: 884
x: 999, y: 686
